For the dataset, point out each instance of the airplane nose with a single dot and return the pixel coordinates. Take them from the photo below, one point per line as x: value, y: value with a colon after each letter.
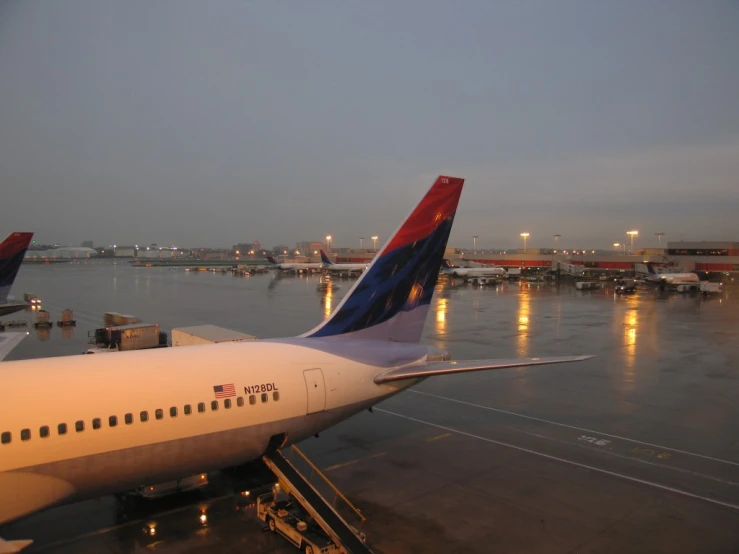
x: 437, y: 355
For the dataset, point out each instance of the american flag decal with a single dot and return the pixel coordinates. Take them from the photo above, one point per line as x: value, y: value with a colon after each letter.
x: 224, y: 391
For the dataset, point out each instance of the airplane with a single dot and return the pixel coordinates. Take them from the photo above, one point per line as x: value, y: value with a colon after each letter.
x: 12, y: 251
x: 332, y: 266
x: 293, y: 266
x: 97, y: 426
x: 651, y: 276
x: 470, y: 272
x: 8, y: 341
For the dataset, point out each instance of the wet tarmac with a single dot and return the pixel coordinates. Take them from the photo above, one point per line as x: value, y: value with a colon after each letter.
x: 636, y: 450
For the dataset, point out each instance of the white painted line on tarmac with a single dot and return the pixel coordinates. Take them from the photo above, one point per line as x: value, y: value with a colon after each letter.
x: 570, y: 462
x: 719, y: 460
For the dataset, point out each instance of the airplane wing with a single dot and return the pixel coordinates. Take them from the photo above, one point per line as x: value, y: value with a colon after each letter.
x: 11, y: 547
x: 8, y: 341
x: 445, y: 368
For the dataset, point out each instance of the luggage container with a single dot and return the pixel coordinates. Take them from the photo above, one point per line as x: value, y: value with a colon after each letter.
x: 206, y: 334
x: 67, y: 319
x: 43, y: 319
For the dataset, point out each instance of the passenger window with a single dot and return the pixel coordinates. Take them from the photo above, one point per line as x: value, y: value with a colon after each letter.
x: 275, y: 396
x: 252, y: 399
x: 159, y: 413
x: 96, y: 423
x: 264, y: 397
x: 128, y: 418
x: 188, y: 410
x: 240, y: 401
x: 201, y: 407
x: 112, y: 421
x: 227, y: 403
x: 214, y: 405
x: 62, y: 428
x: 5, y: 437
x: 144, y: 416
x: 173, y: 412
x: 25, y: 434
x: 43, y: 432
x: 79, y: 426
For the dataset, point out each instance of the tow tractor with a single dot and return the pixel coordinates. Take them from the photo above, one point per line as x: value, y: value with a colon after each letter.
x: 289, y: 519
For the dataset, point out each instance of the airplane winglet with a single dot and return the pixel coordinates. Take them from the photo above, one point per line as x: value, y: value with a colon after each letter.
x: 8, y: 341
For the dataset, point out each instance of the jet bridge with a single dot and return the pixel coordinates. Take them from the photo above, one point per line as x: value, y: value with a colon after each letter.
x: 333, y: 524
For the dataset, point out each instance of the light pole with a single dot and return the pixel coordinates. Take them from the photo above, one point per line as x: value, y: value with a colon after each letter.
x: 525, y: 237
x: 617, y: 246
x: 659, y: 238
x: 632, y: 234
x: 374, y: 243
x: 474, y: 244
x: 328, y: 243
x: 361, y: 242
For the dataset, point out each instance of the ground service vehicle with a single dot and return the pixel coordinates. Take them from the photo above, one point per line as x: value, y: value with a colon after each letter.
x: 289, y: 519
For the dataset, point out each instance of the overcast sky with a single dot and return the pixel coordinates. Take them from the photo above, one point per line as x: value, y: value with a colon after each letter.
x: 210, y: 123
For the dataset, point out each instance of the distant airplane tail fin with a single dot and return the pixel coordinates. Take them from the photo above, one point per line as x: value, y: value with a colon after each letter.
x: 644, y: 269
x: 12, y: 250
x: 325, y: 259
x: 446, y: 264
x: 272, y: 260
x: 391, y: 299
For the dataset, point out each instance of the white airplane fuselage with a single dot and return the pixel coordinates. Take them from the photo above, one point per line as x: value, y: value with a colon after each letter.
x: 346, y: 267
x: 297, y: 390
x: 298, y: 266
x: 674, y: 278
x: 467, y: 272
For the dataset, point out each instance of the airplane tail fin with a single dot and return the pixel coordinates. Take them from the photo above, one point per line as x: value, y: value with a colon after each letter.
x: 272, y: 260
x: 325, y: 259
x: 445, y: 264
x: 12, y: 250
x: 391, y: 299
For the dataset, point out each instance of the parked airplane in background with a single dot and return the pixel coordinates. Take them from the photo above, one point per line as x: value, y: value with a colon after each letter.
x: 471, y: 272
x: 651, y: 276
x: 294, y: 266
x: 332, y: 266
x: 12, y: 251
x: 99, y: 425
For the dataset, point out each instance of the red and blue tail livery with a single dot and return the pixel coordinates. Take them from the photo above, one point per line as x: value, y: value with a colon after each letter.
x: 392, y: 298
x: 12, y: 251
x: 325, y: 259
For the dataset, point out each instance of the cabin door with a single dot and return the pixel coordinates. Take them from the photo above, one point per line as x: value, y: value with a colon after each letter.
x: 316, y: 390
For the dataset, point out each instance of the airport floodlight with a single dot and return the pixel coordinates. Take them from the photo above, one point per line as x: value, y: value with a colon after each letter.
x: 474, y: 244
x: 328, y: 243
x: 632, y: 234
x: 659, y: 238
x: 374, y: 243
x: 525, y: 237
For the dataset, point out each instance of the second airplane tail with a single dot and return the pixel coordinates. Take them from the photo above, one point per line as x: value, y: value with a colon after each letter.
x: 12, y: 251
x: 325, y: 259
x: 391, y: 299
